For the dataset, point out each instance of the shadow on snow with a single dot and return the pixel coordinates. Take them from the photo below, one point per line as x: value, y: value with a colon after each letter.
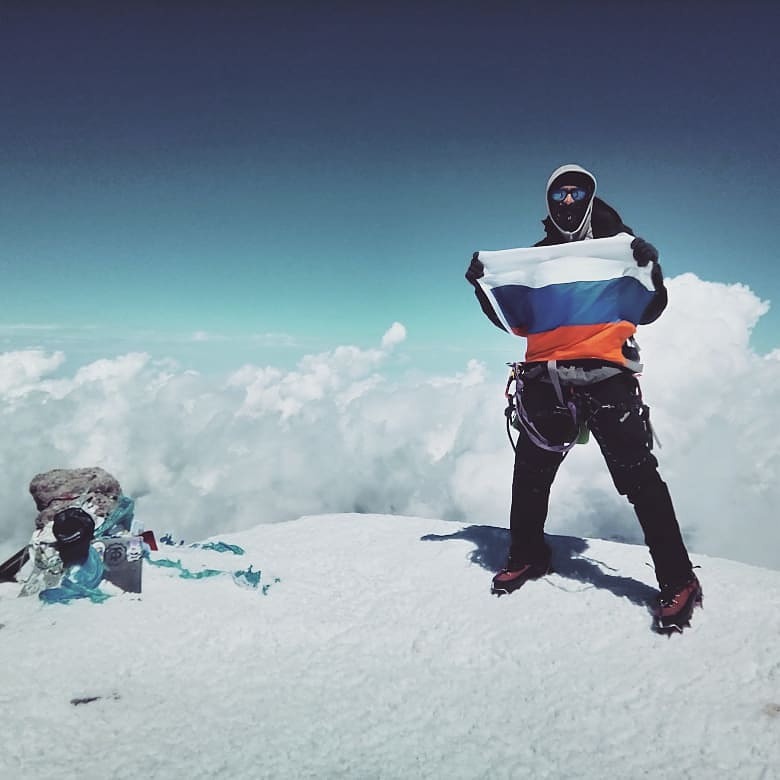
x: 569, y: 561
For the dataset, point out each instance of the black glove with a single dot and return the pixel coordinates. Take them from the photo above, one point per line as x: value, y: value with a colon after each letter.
x: 476, y: 269
x: 644, y: 252
x: 657, y: 276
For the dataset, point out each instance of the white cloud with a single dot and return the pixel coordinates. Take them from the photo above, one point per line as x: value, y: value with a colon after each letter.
x: 19, y: 371
x: 394, y: 335
x: 336, y: 434
x: 29, y: 327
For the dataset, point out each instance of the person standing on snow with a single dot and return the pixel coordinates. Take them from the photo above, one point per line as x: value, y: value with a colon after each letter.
x: 606, y: 394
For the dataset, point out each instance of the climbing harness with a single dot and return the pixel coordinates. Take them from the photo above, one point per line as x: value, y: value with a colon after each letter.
x: 517, y: 417
x: 576, y: 403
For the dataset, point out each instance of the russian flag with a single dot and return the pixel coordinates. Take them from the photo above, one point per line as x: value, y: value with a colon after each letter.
x: 576, y: 300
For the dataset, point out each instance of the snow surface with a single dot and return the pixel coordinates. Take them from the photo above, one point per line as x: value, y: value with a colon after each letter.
x: 380, y: 653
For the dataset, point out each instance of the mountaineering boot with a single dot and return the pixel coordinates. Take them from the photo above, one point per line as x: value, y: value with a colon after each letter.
x: 676, y: 604
x: 517, y: 572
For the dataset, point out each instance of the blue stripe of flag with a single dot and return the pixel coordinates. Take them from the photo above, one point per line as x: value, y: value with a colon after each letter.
x: 539, y: 309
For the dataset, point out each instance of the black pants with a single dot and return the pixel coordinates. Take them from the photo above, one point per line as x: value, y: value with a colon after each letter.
x: 618, y: 422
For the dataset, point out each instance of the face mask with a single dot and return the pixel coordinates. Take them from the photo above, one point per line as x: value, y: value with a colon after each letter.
x: 570, y: 201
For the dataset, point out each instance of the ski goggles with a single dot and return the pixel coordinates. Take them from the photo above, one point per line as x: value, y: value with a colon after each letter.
x: 560, y: 194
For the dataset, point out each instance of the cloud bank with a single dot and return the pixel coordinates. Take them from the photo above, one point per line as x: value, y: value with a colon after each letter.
x: 204, y: 455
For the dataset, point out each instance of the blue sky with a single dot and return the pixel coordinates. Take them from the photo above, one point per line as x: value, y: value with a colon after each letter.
x: 283, y: 181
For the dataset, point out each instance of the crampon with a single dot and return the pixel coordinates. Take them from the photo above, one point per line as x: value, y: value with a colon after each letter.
x: 675, y: 606
x: 515, y: 576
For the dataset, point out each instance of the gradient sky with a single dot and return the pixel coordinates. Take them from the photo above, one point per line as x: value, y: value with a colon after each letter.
x: 229, y: 184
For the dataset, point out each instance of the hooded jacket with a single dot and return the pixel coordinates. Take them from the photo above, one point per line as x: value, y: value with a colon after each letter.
x: 600, y: 221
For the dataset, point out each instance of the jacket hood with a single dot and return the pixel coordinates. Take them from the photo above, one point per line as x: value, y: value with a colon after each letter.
x: 572, y: 221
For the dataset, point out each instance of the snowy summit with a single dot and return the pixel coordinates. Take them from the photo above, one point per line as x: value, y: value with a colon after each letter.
x: 377, y: 651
